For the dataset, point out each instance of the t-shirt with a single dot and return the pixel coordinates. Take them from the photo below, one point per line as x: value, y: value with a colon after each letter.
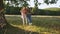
x: 24, y: 11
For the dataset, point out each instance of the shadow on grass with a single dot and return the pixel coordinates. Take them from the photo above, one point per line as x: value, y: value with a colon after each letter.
x: 14, y: 30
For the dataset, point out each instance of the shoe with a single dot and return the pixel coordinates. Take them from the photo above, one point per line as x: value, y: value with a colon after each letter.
x: 30, y: 23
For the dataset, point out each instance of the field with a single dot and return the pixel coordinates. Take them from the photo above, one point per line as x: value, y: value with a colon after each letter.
x: 52, y: 9
x: 41, y: 25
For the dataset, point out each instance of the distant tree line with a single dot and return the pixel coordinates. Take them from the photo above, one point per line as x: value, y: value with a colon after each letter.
x: 16, y: 11
x: 46, y: 12
x: 12, y: 11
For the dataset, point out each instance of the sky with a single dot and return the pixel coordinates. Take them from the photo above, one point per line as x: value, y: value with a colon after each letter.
x: 43, y: 5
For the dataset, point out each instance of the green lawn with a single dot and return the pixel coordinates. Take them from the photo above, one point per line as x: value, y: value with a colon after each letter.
x: 41, y: 25
x: 52, y: 9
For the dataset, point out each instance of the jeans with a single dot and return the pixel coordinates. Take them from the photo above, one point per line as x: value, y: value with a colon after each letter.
x: 29, y: 18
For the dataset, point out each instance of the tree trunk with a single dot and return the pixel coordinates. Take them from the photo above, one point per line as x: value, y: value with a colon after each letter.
x: 3, y: 21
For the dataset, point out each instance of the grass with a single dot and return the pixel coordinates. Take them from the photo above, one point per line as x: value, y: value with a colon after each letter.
x: 53, y: 9
x: 41, y: 25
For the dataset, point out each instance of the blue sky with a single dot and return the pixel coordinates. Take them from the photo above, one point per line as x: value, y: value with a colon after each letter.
x: 43, y: 5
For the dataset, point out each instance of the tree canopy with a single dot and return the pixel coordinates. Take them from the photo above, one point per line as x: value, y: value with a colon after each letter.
x: 25, y: 3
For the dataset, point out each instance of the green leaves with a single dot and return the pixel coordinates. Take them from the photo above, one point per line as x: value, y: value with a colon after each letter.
x: 46, y: 1
x: 53, y: 1
x: 25, y: 4
x: 50, y: 1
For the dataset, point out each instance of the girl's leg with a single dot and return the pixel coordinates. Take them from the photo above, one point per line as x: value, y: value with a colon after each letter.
x: 29, y: 19
x: 23, y: 21
x: 26, y: 20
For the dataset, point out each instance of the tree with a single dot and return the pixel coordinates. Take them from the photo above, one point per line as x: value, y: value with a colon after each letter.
x: 3, y: 21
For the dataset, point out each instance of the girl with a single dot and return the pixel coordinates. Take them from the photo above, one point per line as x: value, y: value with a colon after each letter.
x: 23, y: 15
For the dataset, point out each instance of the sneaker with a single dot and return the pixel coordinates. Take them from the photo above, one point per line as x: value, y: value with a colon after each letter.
x: 30, y: 23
